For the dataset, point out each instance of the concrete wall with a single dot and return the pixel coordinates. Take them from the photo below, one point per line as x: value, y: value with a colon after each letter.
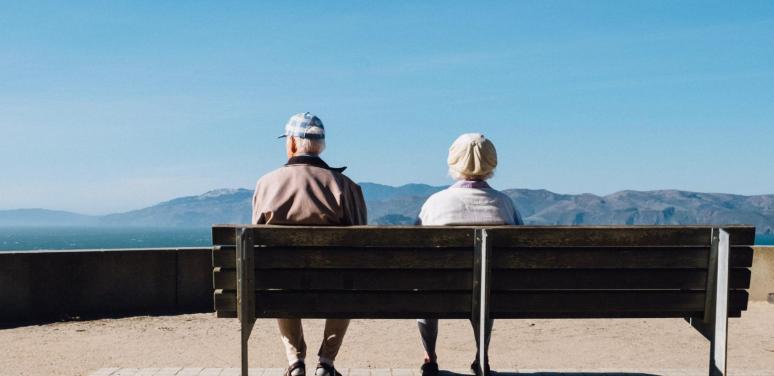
x: 762, y: 284
x: 55, y: 285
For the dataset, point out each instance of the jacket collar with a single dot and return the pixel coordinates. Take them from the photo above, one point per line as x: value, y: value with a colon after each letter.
x: 480, y: 184
x: 312, y: 161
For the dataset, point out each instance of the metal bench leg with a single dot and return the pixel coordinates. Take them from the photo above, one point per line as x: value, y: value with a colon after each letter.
x: 719, y: 341
x: 481, y: 277
x: 245, y: 257
x: 714, y: 326
x: 247, y: 327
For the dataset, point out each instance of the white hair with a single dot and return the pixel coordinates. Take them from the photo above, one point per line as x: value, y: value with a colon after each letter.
x: 460, y: 176
x: 307, y: 146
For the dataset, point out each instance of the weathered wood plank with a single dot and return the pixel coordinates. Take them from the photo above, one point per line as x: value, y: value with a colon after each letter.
x: 545, y: 304
x: 554, y: 236
x: 741, y: 256
x: 322, y: 304
x: 502, y: 279
x: 604, y: 315
x: 566, y: 315
x: 225, y: 302
x: 502, y: 257
x: 611, y: 257
x: 679, y: 303
x: 344, y: 258
x: 229, y: 310
x: 349, y: 279
x: 226, y: 314
x: 741, y: 234
x: 351, y: 236
x: 610, y: 279
x: 600, y: 258
x: 397, y: 236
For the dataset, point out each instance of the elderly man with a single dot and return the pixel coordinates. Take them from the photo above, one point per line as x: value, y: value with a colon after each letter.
x: 306, y: 191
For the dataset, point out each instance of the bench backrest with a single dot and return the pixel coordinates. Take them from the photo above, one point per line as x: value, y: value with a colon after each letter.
x: 533, y: 271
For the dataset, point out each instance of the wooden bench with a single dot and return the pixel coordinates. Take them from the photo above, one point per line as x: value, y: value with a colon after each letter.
x: 699, y: 273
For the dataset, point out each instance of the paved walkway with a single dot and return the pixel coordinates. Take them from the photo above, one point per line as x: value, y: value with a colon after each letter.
x: 408, y: 372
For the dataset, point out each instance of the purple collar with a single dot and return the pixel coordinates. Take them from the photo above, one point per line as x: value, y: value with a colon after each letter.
x: 480, y: 184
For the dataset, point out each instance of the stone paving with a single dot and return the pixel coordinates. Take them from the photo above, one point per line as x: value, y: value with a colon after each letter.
x: 177, y: 371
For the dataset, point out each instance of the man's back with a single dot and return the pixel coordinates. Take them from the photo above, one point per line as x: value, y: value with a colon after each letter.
x: 308, y: 192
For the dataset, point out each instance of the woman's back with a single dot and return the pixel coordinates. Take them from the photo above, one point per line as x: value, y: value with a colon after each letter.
x: 469, y: 203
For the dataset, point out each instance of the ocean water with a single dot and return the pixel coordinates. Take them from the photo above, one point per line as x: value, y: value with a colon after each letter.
x: 37, y: 238
x: 764, y: 239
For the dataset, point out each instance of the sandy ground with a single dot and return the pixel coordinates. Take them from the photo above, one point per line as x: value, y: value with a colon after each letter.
x: 201, y: 340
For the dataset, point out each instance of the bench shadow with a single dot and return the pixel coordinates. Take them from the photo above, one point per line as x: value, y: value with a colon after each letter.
x: 548, y: 373
x: 44, y: 320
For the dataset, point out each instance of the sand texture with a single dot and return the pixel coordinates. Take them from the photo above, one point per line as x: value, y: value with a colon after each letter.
x: 201, y: 340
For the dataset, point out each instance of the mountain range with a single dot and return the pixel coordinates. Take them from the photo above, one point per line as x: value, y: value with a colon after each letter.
x: 389, y: 205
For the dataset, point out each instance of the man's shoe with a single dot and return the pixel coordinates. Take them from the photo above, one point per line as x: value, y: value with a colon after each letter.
x: 324, y: 369
x: 474, y: 368
x: 430, y: 369
x: 296, y: 369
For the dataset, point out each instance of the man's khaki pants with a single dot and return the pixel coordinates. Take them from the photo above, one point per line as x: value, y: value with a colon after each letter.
x: 293, y: 338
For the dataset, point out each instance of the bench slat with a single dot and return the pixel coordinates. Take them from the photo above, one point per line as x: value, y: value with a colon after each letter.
x: 352, y: 236
x: 612, y: 257
x: 502, y: 258
x: 611, y: 279
x: 322, y: 304
x: 552, y: 236
x: 562, y: 315
x: 351, y: 279
x: 412, y: 236
x: 449, y: 280
x: 681, y: 303
x: 342, y: 258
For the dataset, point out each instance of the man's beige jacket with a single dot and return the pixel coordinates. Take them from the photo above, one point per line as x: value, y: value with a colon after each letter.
x: 306, y: 191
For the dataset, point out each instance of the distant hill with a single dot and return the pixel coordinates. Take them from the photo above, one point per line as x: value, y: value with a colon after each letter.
x: 401, y: 205
x: 43, y: 217
x: 651, y: 207
x: 395, y: 205
x: 218, y: 206
x: 381, y: 192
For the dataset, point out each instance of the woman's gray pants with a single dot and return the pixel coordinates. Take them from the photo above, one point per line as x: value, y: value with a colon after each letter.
x: 428, y: 329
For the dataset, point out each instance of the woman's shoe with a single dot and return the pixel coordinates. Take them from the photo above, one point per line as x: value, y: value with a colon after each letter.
x: 324, y: 369
x: 430, y: 369
x: 475, y: 369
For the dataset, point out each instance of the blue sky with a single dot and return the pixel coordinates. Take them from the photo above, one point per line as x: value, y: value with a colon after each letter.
x: 111, y: 106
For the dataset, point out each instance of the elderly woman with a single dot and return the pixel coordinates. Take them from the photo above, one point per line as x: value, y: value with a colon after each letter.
x: 469, y: 201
